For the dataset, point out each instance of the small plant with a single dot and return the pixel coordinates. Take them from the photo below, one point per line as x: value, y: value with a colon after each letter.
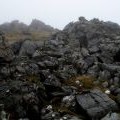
x: 84, y: 81
x: 32, y: 78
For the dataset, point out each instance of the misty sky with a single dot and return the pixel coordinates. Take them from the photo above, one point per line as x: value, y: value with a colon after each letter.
x: 58, y: 13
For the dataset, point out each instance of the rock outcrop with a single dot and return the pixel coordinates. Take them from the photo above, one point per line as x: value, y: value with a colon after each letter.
x: 75, y: 75
x: 96, y: 104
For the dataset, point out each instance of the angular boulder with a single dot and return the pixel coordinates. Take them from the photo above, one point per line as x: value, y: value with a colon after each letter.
x: 96, y: 104
x: 28, y: 48
x: 112, y: 116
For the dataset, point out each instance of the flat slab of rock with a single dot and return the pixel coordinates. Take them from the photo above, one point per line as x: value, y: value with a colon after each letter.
x: 96, y: 104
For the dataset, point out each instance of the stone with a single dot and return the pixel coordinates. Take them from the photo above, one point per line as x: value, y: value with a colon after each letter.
x: 118, y: 99
x: 70, y: 117
x: 109, y: 67
x: 68, y: 101
x: 116, y: 81
x: 16, y: 47
x: 104, y: 75
x: 117, y: 91
x: 6, y: 53
x: 111, y: 116
x: 28, y: 48
x: 84, y: 52
x: 96, y: 104
x: 107, y: 92
x: 105, y: 84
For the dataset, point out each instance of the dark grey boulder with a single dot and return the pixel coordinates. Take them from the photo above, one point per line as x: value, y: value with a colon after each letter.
x: 6, y: 53
x: 109, y: 67
x: 116, y: 81
x: 71, y: 117
x: 52, y: 83
x: 94, y: 70
x: 111, y: 116
x: 118, y: 99
x: 28, y: 48
x: 5, y: 72
x: 104, y: 75
x: 16, y: 46
x: 96, y: 104
x: 117, y: 91
x: 94, y: 49
x: 84, y: 52
x: 105, y: 84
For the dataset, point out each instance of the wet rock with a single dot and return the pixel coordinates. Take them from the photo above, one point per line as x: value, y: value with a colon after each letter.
x: 109, y: 67
x: 20, y: 98
x: 68, y: 101
x: 16, y: 47
x: 66, y: 72
x: 111, y: 116
x: 96, y: 104
x: 70, y: 117
x: 118, y: 99
x: 47, y: 113
x: 51, y: 116
x: 23, y: 119
x: 117, y: 91
x: 94, y: 70
x: 52, y: 84
x: 94, y: 49
x: 50, y: 64
x: 84, y: 52
x: 27, y: 68
x: 3, y: 114
x: 116, y: 81
x: 32, y: 103
x: 90, y: 60
x: 104, y: 75
x: 112, y: 88
x: 5, y: 72
x: 105, y: 84
x: 28, y: 48
x: 68, y: 90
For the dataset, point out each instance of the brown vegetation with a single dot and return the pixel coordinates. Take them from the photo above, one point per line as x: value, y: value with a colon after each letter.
x: 15, y: 36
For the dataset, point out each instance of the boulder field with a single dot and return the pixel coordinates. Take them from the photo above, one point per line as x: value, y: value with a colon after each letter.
x: 75, y: 75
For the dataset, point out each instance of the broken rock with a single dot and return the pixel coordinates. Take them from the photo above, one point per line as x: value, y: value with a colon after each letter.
x: 96, y: 104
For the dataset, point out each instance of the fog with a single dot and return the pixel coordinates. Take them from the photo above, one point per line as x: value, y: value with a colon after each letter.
x: 58, y: 13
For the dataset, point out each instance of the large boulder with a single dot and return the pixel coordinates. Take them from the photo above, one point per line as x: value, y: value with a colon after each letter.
x: 28, y: 48
x: 112, y: 116
x: 96, y: 104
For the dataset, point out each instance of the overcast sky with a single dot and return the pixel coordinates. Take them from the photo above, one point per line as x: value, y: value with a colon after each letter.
x: 58, y: 13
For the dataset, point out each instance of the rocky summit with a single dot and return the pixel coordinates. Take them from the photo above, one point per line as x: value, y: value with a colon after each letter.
x: 75, y: 75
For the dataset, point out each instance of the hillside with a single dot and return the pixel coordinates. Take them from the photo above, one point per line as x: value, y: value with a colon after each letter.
x: 16, y: 30
x: 74, y: 75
